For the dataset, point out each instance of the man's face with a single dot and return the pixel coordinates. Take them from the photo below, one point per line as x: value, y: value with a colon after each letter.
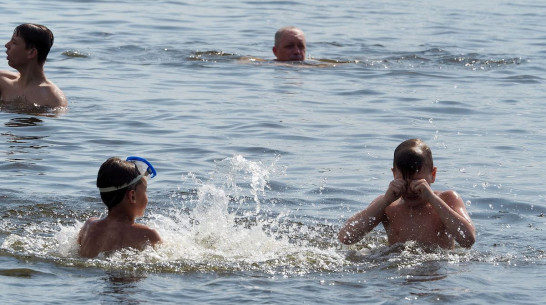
x: 16, y: 51
x: 291, y: 46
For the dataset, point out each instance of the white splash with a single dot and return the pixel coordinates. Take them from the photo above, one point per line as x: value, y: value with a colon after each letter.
x: 219, y: 226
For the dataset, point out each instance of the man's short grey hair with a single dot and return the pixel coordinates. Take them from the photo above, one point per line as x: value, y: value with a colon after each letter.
x: 281, y: 31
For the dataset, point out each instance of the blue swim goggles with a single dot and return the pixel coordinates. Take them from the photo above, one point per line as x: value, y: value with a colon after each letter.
x: 144, y: 168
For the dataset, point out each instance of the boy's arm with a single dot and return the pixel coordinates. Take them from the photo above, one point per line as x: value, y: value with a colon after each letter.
x: 84, y: 228
x: 5, y: 78
x: 364, y: 221
x: 147, y: 235
x: 451, y: 209
x: 154, y: 237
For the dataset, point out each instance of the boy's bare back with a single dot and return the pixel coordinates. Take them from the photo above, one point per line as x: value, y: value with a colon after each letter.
x: 106, y: 235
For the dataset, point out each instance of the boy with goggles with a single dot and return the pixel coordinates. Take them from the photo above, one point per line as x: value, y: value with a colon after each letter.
x: 122, y: 186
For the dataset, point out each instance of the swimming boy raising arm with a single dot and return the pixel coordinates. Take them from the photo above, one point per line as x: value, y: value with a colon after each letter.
x: 410, y: 209
x: 123, y: 188
x: 366, y: 220
x: 451, y: 210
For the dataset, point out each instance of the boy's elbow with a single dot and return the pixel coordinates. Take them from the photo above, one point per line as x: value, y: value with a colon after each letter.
x: 156, y: 239
x: 467, y: 245
x: 471, y: 241
x: 468, y: 242
x: 345, y: 238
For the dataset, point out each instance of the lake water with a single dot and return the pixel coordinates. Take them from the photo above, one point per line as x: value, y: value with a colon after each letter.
x: 259, y: 164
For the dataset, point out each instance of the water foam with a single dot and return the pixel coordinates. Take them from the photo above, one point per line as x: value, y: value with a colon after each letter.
x: 227, y: 223
x: 224, y: 224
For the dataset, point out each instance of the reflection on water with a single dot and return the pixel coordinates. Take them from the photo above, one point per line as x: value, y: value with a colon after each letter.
x: 25, y: 138
x: 23, y: 107
x: 120, y: 286
x: 20, y: 272
x: 120, y: 277
x: 23, y: 122
x: 424, y: 272
x: 20, y: 143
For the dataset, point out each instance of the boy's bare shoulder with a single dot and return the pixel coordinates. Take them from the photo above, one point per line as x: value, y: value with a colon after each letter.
x: 450, y: 197
x: 87, y: 238
x: 88, y: 223
x: 6, y: 79
x: 91, y: 219
x: 48, y: 94
x: 146, y: 233
x: 4, y: 74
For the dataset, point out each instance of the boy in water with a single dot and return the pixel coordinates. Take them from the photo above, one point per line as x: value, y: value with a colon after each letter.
x: 410, y: 209
x: 27, y: 52
x: 122, y: 186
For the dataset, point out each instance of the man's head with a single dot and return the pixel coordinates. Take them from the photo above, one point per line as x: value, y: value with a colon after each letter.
x: 411, y: 157
x: 36, y: 36
x: 289, y: 44
x: 115, y: 173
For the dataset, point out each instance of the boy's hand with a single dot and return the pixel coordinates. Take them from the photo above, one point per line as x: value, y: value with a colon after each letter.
x: 396, y: 189
x: 422, y: 189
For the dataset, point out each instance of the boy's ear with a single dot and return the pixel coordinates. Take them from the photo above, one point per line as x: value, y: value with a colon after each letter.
x: 130, y: 196
x: 32, y: 52
x: 433, y: 174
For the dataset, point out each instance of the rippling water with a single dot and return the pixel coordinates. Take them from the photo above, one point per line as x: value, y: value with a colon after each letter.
x: 259, y: 164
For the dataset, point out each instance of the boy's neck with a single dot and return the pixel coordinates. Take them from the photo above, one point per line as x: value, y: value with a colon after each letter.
x: 120, y: 214
x: 31, y: 74
x: 412, y: 204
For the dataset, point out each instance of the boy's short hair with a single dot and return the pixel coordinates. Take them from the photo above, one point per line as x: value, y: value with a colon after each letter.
x: 36, y: 36
x: 411, y: 156
x: 116, y: 172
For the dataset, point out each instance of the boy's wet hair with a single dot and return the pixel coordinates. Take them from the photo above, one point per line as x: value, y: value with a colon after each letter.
x: 412, y: 156
x: 36, y: 36
x: 116, y: 172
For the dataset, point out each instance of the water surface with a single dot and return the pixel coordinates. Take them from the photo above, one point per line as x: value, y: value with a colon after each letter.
x: 259, y: 164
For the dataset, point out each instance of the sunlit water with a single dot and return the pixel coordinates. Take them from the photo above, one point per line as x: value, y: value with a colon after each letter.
x: 259, y: 164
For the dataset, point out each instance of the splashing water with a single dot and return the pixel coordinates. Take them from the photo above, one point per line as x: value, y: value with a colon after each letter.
x: 224, y: 231
x: 220, y: 226
x: 227, y: 224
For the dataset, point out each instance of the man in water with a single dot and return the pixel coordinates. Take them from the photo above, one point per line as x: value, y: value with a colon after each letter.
x: 289, y: 44
x: 410, y: 210
x: 27, y: 52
